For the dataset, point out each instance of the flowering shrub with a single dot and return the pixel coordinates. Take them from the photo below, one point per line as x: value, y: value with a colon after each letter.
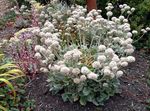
x: 84, y: 52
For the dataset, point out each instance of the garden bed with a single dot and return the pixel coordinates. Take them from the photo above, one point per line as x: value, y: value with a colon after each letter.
x: 135, y: 92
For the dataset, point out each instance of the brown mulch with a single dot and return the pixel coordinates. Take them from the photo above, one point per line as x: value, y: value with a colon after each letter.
x: 135, y: 92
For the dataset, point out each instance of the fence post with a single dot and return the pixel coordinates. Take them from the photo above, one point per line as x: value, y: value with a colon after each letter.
x: 91, y: 4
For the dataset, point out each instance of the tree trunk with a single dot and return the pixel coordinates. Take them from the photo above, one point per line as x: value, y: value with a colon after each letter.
x: 91, y: 4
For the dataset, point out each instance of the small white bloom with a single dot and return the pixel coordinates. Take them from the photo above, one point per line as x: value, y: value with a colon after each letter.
x: 85, y: 70
x: 96, y: 65
x: 43, y: 50
x: 109, y: 51
x: 76, y: 80
x: 112, y: 64
x: 101, y: 58
x: 129, y: 34
x: 105, y: 84
x: 129, y: 40
x: 43, y: 69
x: 101, y: 48
x: 83, y: 78
x: 131, y: 59
x: 132, y: 9
x: 76, y: 71
x: 37, y: 48
x: 38, y: 55
x: 134, y: 32
x: 129, y: 51
x: 119, y: 74
x: 65, y: 70
x: 147, y: 28
x: 116, y: 58
x: 115, y: 68
x: 92, y: 76
x: 107, y: 72
x: 109, y: 13
x: 144, y: 31
x: 124, y: 64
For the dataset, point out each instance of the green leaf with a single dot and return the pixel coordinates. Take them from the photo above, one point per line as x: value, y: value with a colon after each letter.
x: 83, y: 100
x: 65, y: 97
x: 86, y: 91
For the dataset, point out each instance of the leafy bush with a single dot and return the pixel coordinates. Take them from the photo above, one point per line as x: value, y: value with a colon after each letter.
x: 23, y: 103
x: 8, y: 72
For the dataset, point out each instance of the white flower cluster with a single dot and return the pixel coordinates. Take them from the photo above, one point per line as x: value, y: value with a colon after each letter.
x: 85, y: 46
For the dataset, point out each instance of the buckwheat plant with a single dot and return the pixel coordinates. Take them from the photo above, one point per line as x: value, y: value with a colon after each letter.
x: 84, y: 52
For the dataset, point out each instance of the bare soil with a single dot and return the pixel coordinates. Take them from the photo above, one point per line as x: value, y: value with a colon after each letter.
x: 135, y: 92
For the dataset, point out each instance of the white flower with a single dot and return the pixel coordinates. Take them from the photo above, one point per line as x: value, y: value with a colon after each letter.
x: 112, y: 64
x: 105, y: 84
x: 60, y: 62
x: 147, y: 28
x: 121, y: 17
x: 42, y: 50
x: 85, y: 70
x: 68, y: 55
x: 65, y: 70
x: 116, y: 39
x: 132, y: 9
x: 38, y: 55
x: 101, y: 48
x: 109, y: 51
x: 43, y: 69
x: 134, y: 32
x: 56, y: 68
x: 119, y: 74
x: 76, y: 54
x: 109, y: 13
x: 115, y: 68
x: 48, y: 41
x: 101, y: 58
x: 129, y: 51
x: 144, y: 31
x: 124, y: 64
x: 76, y: 80
x: 129, y: 40
x: 125, y: 20
x: 129, y: 34
x: 116, y: 58
x: 112, y: 75
x: 96, y: 65
x: 131, y: 59
x: 107, y: 72
x: 83, y: 78
x: 76, y: 71
x: 37, y: 48
x: 92, y: 76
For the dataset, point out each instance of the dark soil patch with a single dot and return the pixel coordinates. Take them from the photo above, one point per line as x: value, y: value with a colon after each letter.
x: 134, y: 94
